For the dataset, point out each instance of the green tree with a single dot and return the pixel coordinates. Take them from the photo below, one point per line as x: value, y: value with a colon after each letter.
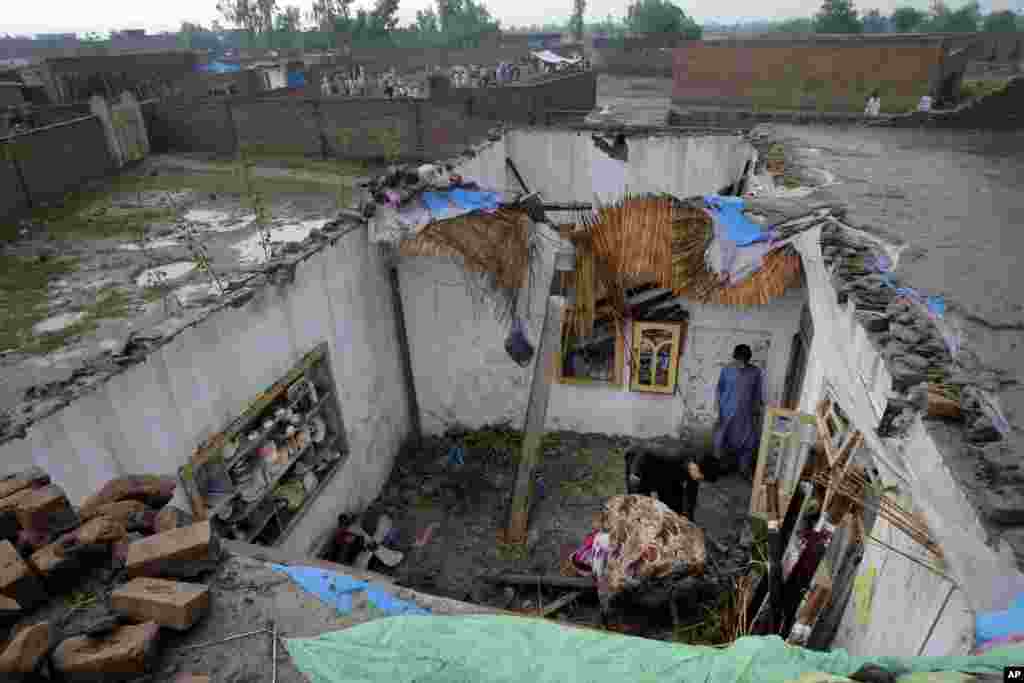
x: 800, y: 25
x: 579, y: 7
x: 944, y: 20
x: 661, y: 16
x: 1001, y: 22
x: 908, y: 19
x: 241, y: 13
x: 289, y: 20
x: 837, y: 16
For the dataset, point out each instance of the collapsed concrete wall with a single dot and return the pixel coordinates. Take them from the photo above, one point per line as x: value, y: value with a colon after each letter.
x: 822, y: 74
x: 150, y: 418
x: 899, y: 605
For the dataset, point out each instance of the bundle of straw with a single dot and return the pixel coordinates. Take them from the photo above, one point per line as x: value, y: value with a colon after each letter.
x: 780, y: 271
x: 497, y: 243
x: 585, y: 307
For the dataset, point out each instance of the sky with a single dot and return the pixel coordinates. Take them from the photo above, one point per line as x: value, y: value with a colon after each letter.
x: 74, y: 16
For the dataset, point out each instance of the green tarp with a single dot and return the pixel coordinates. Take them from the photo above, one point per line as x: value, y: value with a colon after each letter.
x: 506, y: 649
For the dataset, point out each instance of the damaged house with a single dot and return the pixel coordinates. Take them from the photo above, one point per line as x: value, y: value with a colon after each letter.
x: 542, y: 279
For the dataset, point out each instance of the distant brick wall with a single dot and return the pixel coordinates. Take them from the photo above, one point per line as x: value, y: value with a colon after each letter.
x: 190, y: 127
x: 836, y: 76
x: 53, y: 161
x: 303, y: 125
x: 527, y: 103
x: 646, y: 61
x: 11, y: 197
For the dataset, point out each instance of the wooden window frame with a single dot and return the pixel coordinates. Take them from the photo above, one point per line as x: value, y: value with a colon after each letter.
x: 617, y: 374
x: 678, y: 331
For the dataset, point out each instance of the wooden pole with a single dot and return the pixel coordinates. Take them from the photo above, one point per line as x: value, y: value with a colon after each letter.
x: 536, y: 415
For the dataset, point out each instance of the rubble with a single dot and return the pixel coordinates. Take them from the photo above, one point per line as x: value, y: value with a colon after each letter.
x: 120, y: 511
x: 152, y: 490
x: 33, y: 477
x: 10, y: 611
x: 171, y: 604
x: 23, y: 653
x: 45, y: 508
x: 127, y: 651
x: 17, y: 580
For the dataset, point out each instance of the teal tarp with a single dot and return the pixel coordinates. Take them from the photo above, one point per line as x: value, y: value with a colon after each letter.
x: 506, y: 649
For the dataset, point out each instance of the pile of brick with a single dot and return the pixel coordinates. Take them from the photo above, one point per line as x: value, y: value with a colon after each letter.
x: 126, y: 530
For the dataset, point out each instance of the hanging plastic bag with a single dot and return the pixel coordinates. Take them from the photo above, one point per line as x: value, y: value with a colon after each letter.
x: 517, y: 345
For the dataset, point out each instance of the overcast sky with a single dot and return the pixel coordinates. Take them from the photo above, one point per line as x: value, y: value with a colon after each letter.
x: 23, y: 18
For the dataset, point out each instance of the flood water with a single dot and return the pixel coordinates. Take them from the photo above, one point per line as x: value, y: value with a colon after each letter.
x: 956, y: 198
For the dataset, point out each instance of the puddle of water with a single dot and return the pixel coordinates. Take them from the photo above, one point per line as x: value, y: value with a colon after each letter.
x: 57, y: 322
x: 153, y: 244
x: 250, y: 250
x: 214, y: 220
x: 190, y: 294
x: 172, y: 271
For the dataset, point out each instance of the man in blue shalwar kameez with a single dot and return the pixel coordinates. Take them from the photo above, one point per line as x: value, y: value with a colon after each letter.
x: 740, y: 400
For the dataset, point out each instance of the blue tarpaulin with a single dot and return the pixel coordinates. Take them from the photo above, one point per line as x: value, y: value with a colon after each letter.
x: 219, y: 68
x: 728, y: 211
x: 336, y: 589
x: 296, y: 79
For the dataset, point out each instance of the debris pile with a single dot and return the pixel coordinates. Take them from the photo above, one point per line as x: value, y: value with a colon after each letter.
x: 148, y: 560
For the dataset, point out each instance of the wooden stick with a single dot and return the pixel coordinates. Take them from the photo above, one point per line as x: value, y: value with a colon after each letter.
x: 560, y: 603
x: 549, y: 580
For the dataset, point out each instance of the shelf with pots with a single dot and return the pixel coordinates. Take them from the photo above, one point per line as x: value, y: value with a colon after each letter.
x: 292, y: 431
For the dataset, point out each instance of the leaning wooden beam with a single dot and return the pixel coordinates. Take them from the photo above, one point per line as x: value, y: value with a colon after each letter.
x: 536, y: 416
x: 811, y: 607
x: 549, y: 580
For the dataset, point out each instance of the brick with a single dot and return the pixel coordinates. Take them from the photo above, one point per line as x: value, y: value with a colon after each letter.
x: 97, y: 531
x: 25, y: 651
x: 17, y: 581
x: 10, y: 503
x: 171, y: 517
x: 45, y: 508
x: 120, y: 510
x: 10, y: 611
x: 127, y: 650
x: 191, y: 543
x: 147, y: 488
x: 49, y: 560
x: 172, y: 604
x: 32, y: 477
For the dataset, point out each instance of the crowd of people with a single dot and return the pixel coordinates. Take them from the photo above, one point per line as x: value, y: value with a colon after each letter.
x: 355, y: 83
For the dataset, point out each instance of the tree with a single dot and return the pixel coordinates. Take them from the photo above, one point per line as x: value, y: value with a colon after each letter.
x: 426, y: 22
x: 837, y: 16
x: 874, y: 22
x: 326, y: 13
x: 1001, y: 22
x: 240, y: 13
x: 384, y: 17
x: 944, y: 20
x: 907, y: 19
x: 661, y: 16
x: 793, y: 26
x: 289, y: 20
x: 578, y: 8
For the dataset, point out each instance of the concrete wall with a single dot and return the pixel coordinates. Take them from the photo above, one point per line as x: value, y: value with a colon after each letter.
x: 11, y: 196
x: 151, y: 417
x: 445, y: 321
x: 825, y: 75
x: 908, y: 610
x: 640, y: 61
x: 56, y: 159
x: 426, y: 129
x: 566, y: 166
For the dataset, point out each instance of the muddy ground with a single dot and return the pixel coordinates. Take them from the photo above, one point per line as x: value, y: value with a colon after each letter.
x: 123, y: 255
x: 466, y: 505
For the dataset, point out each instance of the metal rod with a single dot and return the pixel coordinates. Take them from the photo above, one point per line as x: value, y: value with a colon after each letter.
x: 224, y: 640
x: 274, y: 653
x: 915, y: 560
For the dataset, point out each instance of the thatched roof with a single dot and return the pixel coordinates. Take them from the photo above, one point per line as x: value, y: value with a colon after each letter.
x: 495, y: 243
